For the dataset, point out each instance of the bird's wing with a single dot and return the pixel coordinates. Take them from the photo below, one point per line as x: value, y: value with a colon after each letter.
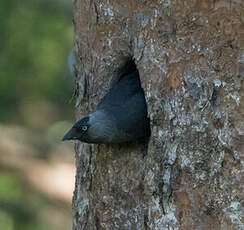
x: 121, y: 92
x: 131, y: 117
x: 125, y: 103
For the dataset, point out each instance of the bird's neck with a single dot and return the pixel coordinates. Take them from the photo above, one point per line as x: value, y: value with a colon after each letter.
x: 102, y: 127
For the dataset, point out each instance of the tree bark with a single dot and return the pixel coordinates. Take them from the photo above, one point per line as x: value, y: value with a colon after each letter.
x: 191, y: 61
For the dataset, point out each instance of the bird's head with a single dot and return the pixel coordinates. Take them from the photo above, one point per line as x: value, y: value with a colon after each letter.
x: 79, y: 131
x: 97, y: 128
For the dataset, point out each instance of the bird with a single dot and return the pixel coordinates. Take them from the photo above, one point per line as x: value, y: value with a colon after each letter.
x: 121, y: 115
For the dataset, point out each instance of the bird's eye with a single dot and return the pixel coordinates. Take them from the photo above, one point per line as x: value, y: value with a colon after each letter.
x: 84, y: 128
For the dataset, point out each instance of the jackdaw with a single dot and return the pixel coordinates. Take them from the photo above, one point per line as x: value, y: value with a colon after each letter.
x: 121, y: 115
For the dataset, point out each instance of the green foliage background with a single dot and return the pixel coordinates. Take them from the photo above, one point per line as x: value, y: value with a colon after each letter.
x: 34, y: 44
x: 35, y: 87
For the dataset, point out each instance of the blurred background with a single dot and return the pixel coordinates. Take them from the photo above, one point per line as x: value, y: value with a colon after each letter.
x: 36, y: 169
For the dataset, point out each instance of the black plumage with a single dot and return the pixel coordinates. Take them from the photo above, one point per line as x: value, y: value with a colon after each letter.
x: 121, y: 115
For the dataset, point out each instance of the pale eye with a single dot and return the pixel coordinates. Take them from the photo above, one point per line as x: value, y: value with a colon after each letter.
x: 84, y: 128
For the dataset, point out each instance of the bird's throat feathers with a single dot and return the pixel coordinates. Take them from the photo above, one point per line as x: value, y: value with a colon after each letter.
x: 101, y: 127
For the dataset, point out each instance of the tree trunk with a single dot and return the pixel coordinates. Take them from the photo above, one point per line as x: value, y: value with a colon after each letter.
x: 190, y: 58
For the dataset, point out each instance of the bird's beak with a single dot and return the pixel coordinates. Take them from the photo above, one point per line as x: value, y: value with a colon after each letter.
x: 70, y: 135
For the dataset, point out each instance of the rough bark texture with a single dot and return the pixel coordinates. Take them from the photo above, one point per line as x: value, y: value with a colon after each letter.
x: 191, y: 62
